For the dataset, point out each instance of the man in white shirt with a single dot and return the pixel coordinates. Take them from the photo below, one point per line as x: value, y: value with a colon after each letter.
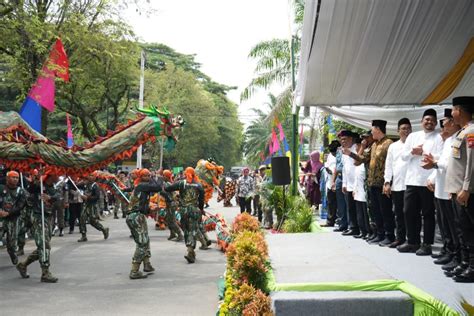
x: 419, y: 201
x: 394, y: 177
x: 445, y: 211
x: 330, y: 166
x: 348, y: 183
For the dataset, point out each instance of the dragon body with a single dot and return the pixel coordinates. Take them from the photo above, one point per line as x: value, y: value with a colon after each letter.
x: 22, y: 148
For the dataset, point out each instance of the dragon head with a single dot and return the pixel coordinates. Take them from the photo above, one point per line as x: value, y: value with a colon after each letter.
x: 165, y: 123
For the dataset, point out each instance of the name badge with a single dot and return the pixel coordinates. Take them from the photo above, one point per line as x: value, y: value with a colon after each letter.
x: 456, y: 148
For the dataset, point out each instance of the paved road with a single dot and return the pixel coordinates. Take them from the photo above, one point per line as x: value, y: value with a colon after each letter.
x: 93, y: 277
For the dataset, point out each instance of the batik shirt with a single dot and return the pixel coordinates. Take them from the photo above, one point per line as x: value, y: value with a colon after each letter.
x: 246, y: 186
x: 377, y: 162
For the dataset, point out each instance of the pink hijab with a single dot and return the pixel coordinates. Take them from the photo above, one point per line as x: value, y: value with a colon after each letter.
x: 316, y: 164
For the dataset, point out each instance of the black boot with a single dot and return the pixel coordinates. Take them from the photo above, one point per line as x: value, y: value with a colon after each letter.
x: 13, y: 257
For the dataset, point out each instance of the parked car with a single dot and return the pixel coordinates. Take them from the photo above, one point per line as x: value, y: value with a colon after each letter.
x: 236, y: 172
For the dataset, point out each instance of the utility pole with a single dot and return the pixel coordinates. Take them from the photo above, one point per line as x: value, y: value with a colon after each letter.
x: 140, y: 103
x: 295, y: 114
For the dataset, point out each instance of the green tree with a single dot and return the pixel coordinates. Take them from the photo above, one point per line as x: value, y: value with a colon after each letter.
x: 29, y: 28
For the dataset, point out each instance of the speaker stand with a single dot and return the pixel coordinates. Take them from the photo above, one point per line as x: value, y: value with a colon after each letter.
x: 283, y: 217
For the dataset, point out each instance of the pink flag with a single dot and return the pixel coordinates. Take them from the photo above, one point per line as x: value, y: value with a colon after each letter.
x: 43, y: 90
x: 282, y: 133
x: 270, y: 147
x: 70, y: 137
x: 276, y: 143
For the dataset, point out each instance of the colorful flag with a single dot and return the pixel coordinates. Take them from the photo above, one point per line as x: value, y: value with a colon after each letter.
x: 42, y: 92
x: 276, y: 143
x: 282, y: 133
x: 70, y: 137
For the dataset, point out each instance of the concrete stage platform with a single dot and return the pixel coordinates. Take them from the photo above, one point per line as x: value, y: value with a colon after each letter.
x: 331, y: 257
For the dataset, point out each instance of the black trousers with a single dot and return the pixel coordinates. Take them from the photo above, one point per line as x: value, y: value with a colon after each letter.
x: 332, y: 207
x: 351, y: 209
x: 362, y: 217
x: 382, y: 213
x: 447, y: 217
x: 245, y: 205
x: 398, y: 202
x: 419, y: 207
x: 466, y: 221
x: 74, y: 213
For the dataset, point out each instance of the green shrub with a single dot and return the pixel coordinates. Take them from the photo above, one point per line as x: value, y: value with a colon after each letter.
x: 299, y: 217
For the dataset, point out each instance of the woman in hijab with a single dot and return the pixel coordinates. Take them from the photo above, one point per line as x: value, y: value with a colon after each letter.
x: 312, y: 172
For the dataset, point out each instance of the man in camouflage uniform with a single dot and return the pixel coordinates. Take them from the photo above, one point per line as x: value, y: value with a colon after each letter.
x: 459, y: 182
x: 136, y: 221
x: 90, y: 213
x: 175, y: 231
x: 24, y: 220
x: 12, y: 201
x: 119, y: 203
x: 191, y: 202
x: 49, y: 197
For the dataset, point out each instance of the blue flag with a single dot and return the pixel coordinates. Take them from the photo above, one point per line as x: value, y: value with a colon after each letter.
x: 31, y: 112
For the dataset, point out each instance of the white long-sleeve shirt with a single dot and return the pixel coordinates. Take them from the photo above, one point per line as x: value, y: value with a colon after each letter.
x: 395, y: 167
x: 438, y: 176
x: 330, y: 165
x: 432, y: 144
x: 359, y: 189
x: 348, y: 171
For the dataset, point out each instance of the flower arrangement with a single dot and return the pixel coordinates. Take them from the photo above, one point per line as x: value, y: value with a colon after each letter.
x: 245, y: 222
x: 247, y: 265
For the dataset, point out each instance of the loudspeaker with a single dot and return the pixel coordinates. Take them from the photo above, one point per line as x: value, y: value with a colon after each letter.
x: 281, y: 170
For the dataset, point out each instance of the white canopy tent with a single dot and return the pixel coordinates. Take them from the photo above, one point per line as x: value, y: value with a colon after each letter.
x: 383, y: 59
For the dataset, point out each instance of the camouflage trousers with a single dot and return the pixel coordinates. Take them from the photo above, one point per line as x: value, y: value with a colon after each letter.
x: 190, y: 223
x: 10, y: 226
x: 119, y: 204
x: 89, y: 214
x: 138, y: 227
x: 24, y: 224
x: 38, y: 237
x: 170, y: 219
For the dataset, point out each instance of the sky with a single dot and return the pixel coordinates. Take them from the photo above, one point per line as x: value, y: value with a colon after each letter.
x: 221, y: 34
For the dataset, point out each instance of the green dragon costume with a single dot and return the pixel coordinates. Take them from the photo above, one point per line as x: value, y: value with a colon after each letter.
x: 23, y: 147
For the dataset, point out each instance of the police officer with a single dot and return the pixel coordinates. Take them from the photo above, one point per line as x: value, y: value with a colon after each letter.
x: 12, y: 201
x: 459, y: 182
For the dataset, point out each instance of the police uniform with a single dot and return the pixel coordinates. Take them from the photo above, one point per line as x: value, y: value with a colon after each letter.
x: 459, y: 176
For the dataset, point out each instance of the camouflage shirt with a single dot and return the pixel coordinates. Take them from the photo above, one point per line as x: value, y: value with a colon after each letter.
x: 190, y: 194
x: 377, y: 162
x: 12, y: 200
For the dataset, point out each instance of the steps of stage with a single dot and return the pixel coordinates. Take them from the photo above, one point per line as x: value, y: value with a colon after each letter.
x: 320, y: 258
x: 354, y: 303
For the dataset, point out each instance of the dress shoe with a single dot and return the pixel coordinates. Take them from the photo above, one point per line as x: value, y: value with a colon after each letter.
x: 443, y: 260
x: 375, y: 241
x: 406, y: 247
x: 340, y: 229
x: 466, y: 277
x: 327, y: 225
x: 425, y: 250
x: 350, y: 232
x: 386, y: 242
x: 440, y: 254
x: 396, y: 243
x: 450, y: 266
x: 366, y: 237
x: 456, y: 271
x: 361, y: 235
